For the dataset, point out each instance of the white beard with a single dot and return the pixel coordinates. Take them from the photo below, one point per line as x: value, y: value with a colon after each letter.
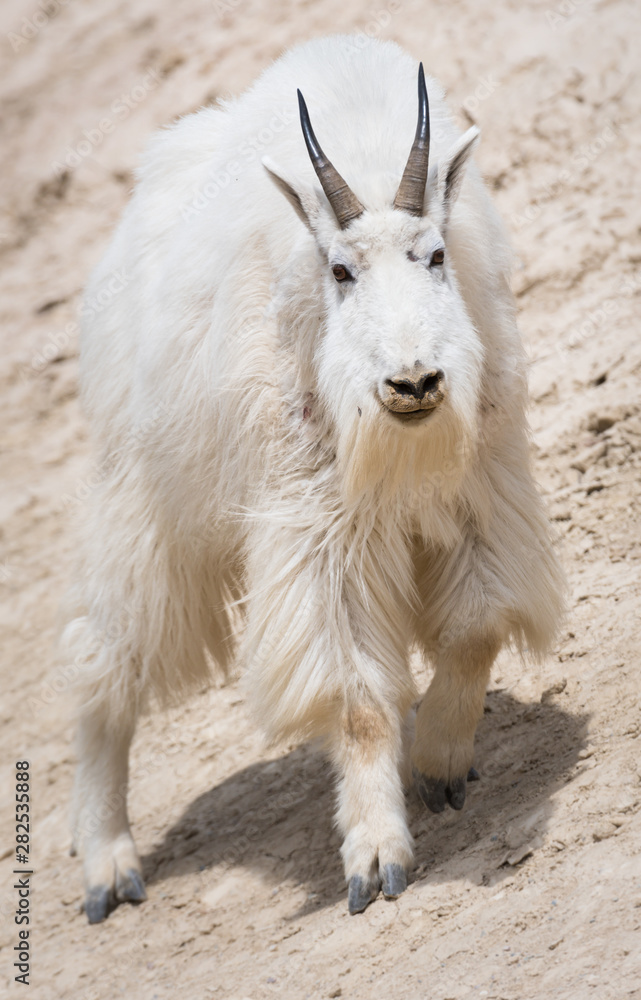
x: 415, y: 472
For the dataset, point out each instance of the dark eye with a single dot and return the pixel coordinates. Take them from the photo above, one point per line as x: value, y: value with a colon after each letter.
x: 341, y: 273
x: 437, y: 257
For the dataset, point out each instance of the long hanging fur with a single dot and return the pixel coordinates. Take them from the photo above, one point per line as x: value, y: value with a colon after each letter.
x: 246, y: 473
x: 209, y: 342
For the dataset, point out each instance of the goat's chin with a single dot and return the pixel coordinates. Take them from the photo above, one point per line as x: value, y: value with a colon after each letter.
x: 387, y: 460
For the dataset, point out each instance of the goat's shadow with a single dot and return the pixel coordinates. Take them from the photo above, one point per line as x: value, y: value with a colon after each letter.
x: 276, y: 817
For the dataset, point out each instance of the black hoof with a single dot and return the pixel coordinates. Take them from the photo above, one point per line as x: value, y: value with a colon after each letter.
x: 393, y: 880
x: 360, y: 894
x: 473, y: 775
x: 131, y: 888
x: 435, y: 793
x: 455, y: 793
x: 99, y: 903
x: 431, y: 790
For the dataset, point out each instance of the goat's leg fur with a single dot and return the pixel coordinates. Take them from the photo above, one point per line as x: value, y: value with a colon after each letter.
x: 447, y: 718
x: 144, y: 617
x: 377, y: 850
x: 113, y: 872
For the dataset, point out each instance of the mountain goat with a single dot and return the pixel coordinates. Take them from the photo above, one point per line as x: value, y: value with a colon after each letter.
x: 308, y: 402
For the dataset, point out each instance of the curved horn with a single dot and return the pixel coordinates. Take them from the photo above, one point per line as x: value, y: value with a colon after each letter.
x: 411, y: 190
x: 344, y: 202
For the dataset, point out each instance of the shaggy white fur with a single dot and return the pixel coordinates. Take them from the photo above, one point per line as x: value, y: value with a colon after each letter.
x: 251, y: 471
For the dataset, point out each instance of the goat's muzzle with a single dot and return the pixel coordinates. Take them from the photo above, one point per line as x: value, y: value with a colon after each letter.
x: 414, y: 394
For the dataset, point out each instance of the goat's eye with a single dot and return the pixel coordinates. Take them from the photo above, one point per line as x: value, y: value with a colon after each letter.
x: 341, y: 273
x: 437, y: 257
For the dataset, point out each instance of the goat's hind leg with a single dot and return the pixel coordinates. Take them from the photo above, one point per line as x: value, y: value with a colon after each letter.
x: 447, y: 718
x: 113, y: 873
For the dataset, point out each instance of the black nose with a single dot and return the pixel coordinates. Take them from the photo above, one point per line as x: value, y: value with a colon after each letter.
x: 417, y: 384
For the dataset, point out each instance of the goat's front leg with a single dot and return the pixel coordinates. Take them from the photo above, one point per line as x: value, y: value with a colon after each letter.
x: 377, y: 850
x: 447, y: 718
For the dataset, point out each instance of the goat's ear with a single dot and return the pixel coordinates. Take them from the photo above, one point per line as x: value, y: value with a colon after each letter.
x: 301, y: 197
x: 451, y: 168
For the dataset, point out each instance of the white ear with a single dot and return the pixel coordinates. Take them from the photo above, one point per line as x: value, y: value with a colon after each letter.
x: 452, y: 168
x: 302, y: 198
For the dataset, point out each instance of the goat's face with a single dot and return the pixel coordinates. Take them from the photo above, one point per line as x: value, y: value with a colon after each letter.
x: 397, y: 363
x: 398, y: 366
x: 398, y: 343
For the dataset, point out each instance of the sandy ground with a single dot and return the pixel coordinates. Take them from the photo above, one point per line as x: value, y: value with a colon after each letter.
x: 534, y: 890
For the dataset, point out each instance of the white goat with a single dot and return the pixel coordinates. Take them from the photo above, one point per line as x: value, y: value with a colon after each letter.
x: 309, y: 408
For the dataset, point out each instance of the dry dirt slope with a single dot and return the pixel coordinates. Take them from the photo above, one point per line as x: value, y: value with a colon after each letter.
x: 534, y: 891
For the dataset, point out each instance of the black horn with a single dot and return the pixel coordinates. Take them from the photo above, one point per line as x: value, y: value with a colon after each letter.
x: 411, y: 190
x: 344, y: 202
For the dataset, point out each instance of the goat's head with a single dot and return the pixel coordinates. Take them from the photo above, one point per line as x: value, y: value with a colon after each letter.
x: 399, y: 349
